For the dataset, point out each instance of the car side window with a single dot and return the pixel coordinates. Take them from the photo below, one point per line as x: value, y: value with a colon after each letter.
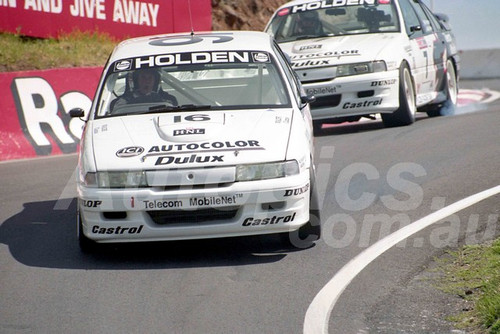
x: 424, y: 20
x: 434, y: 21
x: 291, y: 77
x: 411, y: 19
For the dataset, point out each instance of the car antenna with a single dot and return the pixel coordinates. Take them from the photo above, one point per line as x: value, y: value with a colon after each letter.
x: 191, y: 18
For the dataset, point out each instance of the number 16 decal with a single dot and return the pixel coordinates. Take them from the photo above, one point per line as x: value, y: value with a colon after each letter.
x: 192, y: 118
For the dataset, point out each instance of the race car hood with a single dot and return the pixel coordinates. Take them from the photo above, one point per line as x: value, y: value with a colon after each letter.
x: 328, y: 51
x: 190, y: 139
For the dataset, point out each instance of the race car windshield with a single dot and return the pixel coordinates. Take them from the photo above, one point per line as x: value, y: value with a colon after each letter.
x: 249, y: 83
x: 295, y: 23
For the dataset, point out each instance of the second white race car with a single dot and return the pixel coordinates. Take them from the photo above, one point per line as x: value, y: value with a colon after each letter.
x: 366, y: 57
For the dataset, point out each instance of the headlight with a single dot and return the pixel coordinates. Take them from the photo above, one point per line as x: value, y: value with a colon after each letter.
x: 361, y: 68
x: 266, y: 171
x: 116, y: 179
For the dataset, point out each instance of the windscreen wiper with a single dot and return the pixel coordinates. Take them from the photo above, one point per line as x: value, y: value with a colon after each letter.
x: 185, y: 107
x: 298, y: 38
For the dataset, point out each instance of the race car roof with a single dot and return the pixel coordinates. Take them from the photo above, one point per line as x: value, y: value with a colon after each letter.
x: 197, y: 42
x: 296, y: 2
x: 334, y: 4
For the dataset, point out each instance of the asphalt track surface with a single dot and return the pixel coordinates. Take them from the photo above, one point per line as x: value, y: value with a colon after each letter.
x: 373, y: 182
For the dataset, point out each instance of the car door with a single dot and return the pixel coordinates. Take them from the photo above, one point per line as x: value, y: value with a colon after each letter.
x: 444, y: 47
x: 436, y: 50
x: 298, y: 91
x: 422, y: 40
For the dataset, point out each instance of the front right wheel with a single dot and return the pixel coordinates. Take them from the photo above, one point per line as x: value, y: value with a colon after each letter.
x: 86, y: 245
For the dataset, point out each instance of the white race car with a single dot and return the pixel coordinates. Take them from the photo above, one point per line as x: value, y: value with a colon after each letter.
x: 366, y: 57
x: 196, y: 136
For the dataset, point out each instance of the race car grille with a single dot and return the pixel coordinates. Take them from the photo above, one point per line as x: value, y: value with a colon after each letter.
x: 313, y: 81
x: 326, y: 101
x: 197, y: 186
x: 165, y: 217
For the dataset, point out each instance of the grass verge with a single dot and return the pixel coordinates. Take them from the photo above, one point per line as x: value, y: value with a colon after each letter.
x: 77, y: 49
x: 473, y: 273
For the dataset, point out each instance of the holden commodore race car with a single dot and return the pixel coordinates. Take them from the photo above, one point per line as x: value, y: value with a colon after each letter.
x: 360, y: 58
x: 195, y: 136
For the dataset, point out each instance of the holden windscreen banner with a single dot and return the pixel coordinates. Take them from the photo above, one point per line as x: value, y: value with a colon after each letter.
x: 35, y: 109
x: 118, y: 18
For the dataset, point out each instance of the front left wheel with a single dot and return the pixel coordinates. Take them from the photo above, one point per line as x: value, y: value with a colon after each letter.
x: 317, y: 127
x: 310, y: 232
x: 451, y: 91
x: 405, y: 114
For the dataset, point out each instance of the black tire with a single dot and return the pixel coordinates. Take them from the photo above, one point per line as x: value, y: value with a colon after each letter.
x: 317, y: 127
x: 310, y: 232
x: 405, y: 114
x: 451, y: 91
x: 86, y: 245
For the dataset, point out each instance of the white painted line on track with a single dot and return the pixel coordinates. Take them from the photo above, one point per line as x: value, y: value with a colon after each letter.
x: 45, y: 157
x: 494, y: 95
x: 318, y: 313
x: 468, y: 96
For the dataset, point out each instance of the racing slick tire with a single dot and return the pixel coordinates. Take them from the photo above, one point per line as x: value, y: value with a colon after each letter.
x: 405, y: 114
x: 317, y: 126
x: 310, y: 232
x: 86, y: 245
x: 451, y: 91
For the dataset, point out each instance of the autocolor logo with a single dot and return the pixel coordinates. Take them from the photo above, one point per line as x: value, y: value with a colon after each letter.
x: 130, y: 151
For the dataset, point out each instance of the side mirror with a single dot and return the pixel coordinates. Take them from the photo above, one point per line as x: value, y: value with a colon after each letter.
x: 444, y: 20
x: 415, y: 28
x: 307, y: 99
x: 77, y: 112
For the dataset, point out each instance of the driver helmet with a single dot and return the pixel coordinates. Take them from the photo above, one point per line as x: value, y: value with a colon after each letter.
x: 144, y: 81
x: 309, y: 23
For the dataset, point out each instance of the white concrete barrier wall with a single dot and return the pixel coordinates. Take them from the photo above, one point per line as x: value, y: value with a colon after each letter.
x: 480, y: 64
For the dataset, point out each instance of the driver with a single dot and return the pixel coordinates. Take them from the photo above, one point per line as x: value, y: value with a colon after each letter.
x: 308, y: 23
x: 143, y: 86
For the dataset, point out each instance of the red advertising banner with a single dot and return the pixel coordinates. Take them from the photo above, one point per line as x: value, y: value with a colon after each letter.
x: 119, y: 18
x: 35, y: 109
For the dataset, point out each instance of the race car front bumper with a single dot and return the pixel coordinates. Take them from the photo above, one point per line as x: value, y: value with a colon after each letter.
x: 357, y: 95
x: 158, y: 214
